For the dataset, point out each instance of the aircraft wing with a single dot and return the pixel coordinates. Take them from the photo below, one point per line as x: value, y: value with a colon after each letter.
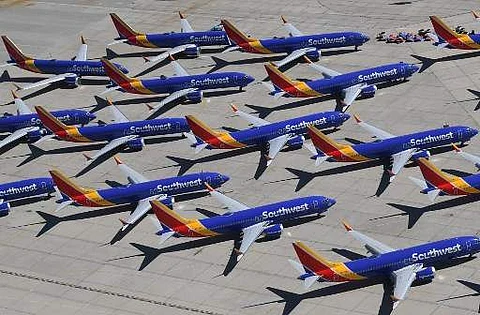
x: 254, y: 120
x: 250, y: 235
x: 117, y: 115
x: 179, y: 70
x: 400, y: 159
x: 22, y: 108
x: 373, y: 246
x: 379, y: 133
x: 115, y: 143
x: 17, y: 134
x: 132, y: 175
x: 232, y: 204
x: 291, y: 29
x: 294, y: 55
x: 276, y: 145
x: 55, y: 78
x: 171, y: 52
x: 403, y: 279
x: 467, y: 156
x: 186, y: 27
x: 172, y: 97
x: 326, y: 72
x: 143, y: 207
x: 351, y: 94
x: 82, y: 51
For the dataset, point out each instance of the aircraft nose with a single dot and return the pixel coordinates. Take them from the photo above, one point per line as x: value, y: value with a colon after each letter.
x: 473, y: 132
x: 414, y: 68
x: 91, y: 116
x: 346, y: 117
x: 249, y: 79
x: 330, y: 201
x: 225, y: 178
x: 365, y: 37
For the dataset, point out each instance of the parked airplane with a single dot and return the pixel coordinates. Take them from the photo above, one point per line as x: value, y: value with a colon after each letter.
x: 182, y: 85
x: 296, y: 45
x: 276, y: 135
x: 140, y: 190
x: 436, y: 182
x: 69, y: 71
x: 24, y: 189
x: 251, y: 223
x: 188, y: 41
x: 120, y: 134
x: 448, y: 37
x: 345, y: 87
x: 400, y: 149
x: 27, y: 124
x: 402, y: 266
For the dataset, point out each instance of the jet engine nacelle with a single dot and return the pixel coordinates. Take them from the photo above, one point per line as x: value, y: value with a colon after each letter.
x: 273, y: 231
x: 421, y: 154
x: 192, y: 52
x: 369, y: 91
x: 296, y: 141
x: 4, y: 209
x: 72, y: 80
x: 36, y: 135
x: 194, y: 97
x: 313, y: 55
x: 135, y: 145
x: 426, y: 274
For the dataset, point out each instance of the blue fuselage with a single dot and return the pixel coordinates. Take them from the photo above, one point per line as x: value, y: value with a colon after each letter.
x: 170, y: 40
x: 26, y: 188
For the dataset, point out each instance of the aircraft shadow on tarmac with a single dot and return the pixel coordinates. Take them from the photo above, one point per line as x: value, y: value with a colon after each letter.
x: 149, y: 254
x: 37, y: 152
x: 292, y: 299
x: 471, y: 285
x: 428, y: 62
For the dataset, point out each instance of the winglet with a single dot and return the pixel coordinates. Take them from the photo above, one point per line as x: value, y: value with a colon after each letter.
x: 181, y: 15
x: 171, y: 57
x: 307, y: 59
x: 109, y: 101
x: 234, y: 108
x: 357, y: 118
x: 82, y: 39
x: 284, y: 20
x: 475, y: 14
x: 456, y: 148
x: 87, y: 157
x: 14, y: 94
x: 123, y: 221
x: 150, y: 107
x: 347, y: 226
x: 117, y: 160
x: 209, y: 188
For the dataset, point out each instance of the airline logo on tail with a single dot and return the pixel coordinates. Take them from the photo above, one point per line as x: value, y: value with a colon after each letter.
x: 18, y: 57
x: 294, y: 88
x: 221, y: 140
x: 128, y: 84
x: 460, y: 41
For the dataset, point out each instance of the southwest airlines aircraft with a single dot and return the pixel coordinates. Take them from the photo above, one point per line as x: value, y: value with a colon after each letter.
x: 450, y: 38
x: 288, y: 132
x: 120, y: 134
x: 296, y: 45
x: 69, y: 71
x: 182, y: 85
x: 188, y: 41
x: 398, y: 148
x: 140, y: 190
x: 345, y: 87
x: 24, y: 189
x: 251, y: 223
x: 28, y: 125
x: 402, y: 266
x: 438, y: 182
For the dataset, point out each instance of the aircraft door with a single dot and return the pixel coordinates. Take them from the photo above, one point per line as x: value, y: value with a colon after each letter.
x: 460, y: 134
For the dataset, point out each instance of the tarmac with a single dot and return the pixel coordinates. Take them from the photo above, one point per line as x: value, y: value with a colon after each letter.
x: 62, y: 263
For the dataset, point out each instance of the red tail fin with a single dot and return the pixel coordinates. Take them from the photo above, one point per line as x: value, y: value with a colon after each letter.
x: 13, y: 51
x: 201, y: 130
x: 322, y: 142
x: 51, y: 122
x: 114, y: 73
x: 235, y: 35
x: 278, y: 78
x: 443, y: 30
x: 311, y: 259
x: 66, y: 186
x: 167, y: 216
x: 433, y: 174
x: 123, y: 29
